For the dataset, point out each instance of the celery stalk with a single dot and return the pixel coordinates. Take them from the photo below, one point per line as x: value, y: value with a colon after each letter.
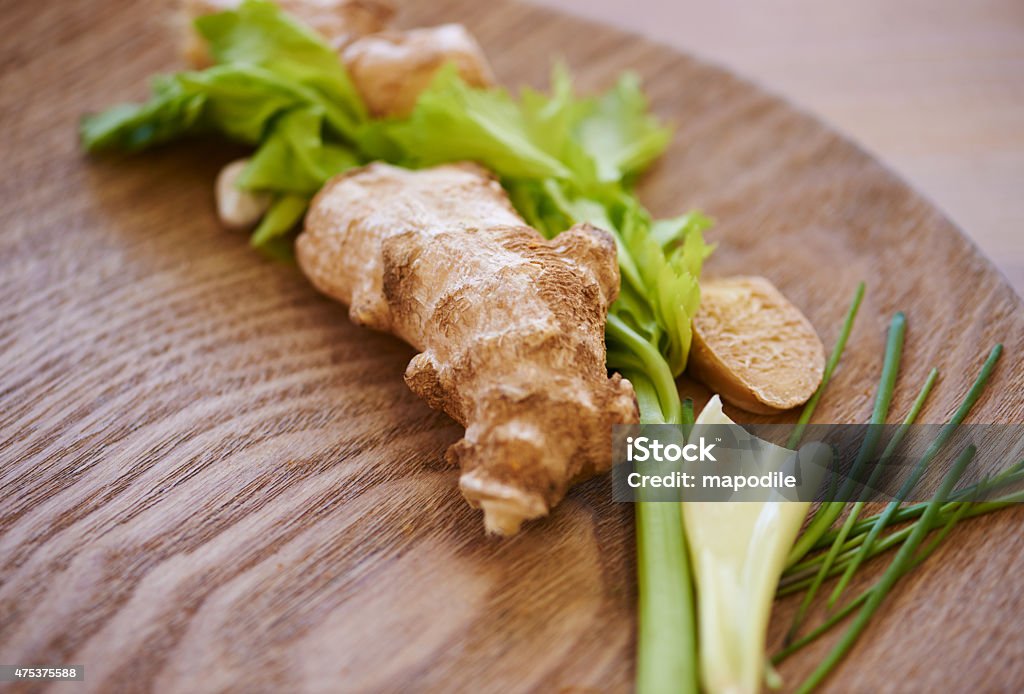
x: 666, y: 647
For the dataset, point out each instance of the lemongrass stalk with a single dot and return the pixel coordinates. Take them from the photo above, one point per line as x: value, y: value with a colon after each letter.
x: 737, y: 551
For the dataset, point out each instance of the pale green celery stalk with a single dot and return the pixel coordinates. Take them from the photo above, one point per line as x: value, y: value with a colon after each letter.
x: 670, y: 409
x: 738, y: 551
x: 666, y: 645
x: 886, y: 385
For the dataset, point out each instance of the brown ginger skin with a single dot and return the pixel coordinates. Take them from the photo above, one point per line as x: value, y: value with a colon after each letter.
x: 391, y: 69
x: 510, y: 326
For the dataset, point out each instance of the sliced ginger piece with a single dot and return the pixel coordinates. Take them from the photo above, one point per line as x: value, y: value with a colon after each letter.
x: 754, y: 347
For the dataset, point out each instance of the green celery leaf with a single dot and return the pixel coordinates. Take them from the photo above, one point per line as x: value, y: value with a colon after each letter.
x: 668, y: 281
x: 269, y: 64
x: 170, y: 113
x: 284, y: 214
x: 621, y: 135
x: 294, y: 158
x: 258, y: 33
x: 236, y: 100
x: 453, y: 121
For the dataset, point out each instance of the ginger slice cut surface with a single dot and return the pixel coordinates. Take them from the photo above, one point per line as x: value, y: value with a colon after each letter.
x: 754, y: 347
x: 509, y: 325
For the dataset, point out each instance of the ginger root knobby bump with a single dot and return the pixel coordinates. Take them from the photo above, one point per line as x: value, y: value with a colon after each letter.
x: 392, y: 68
x: 238, y: 208
x: 509, y: 325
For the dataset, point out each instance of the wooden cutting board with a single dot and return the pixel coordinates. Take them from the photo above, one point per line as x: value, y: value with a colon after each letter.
x: 212, y: 481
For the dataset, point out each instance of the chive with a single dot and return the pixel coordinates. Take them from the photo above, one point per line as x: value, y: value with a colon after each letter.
x: 666, y: 645
x: 903, y: 562
x: 944, y: 434
x: 817, y: 525
x: 800, y: 579
x: 800, y: 573
x: 904, y: 428
x: 830, y: 366
x: 894, y: 443
x: 954, y: 518
x: 859, y: 600
x: 1014, y: 473
x: 883, y: 398
x: 834, y: 619
x: 795, y: 583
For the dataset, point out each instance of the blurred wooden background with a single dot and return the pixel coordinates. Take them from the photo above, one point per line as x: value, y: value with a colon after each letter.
x: 934, y: 88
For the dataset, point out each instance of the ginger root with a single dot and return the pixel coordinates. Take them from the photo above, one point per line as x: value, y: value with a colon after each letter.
x: 237, y: 208
x: 753, y: 346
x: 510, y: 326
x: 391, y: 69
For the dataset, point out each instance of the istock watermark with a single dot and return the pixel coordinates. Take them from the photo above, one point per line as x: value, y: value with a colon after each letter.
x: 642, y: 448
x: 729, y: 462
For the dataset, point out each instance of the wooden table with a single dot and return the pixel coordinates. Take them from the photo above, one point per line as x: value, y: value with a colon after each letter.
x: 211, y: 480
x: 934, y: 88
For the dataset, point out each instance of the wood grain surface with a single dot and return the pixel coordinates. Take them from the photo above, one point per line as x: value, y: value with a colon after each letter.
x: 211, y: 481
